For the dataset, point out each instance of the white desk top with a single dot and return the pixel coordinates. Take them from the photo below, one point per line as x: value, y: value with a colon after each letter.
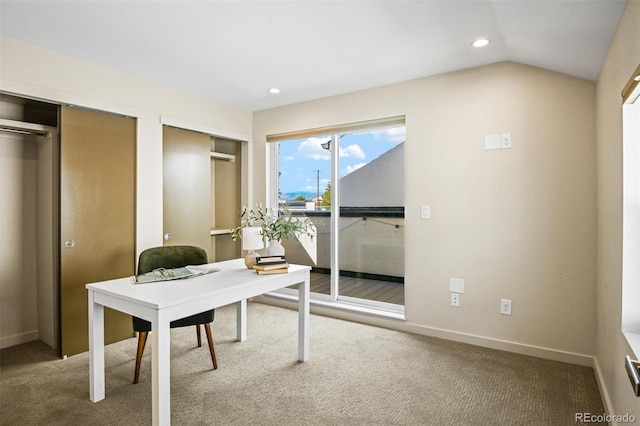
x: 232, y: 277
x: 164, y: 301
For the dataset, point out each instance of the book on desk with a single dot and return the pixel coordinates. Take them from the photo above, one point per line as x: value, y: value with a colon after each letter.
x: 271, y: 265
x: 170, y: 274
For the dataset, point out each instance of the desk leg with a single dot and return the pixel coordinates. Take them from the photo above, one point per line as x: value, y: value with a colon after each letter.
x: 241, y: 320
x: 303, y: 319
x: 160, y: 371
x: 96, y: 350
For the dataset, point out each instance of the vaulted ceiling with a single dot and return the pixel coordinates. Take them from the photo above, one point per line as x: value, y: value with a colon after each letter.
x: 234, y: 51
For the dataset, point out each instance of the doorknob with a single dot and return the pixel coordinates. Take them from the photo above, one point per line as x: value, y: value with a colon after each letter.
x: 69, y: 243
x: 167, y: 236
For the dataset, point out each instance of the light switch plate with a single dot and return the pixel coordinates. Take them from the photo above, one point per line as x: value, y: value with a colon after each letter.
x: 456, y: 285
x: 425, y: 212
x: 492, y: 142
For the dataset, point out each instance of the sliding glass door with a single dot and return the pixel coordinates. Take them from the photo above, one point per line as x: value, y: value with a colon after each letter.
x: 304, y: 188
x: 371, y: 222
x: 351, y: 185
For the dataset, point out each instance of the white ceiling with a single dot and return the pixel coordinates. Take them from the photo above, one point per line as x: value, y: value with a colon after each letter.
x: 233, y: 51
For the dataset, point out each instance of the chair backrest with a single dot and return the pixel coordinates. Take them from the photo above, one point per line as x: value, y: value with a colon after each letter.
x: 171, y: 257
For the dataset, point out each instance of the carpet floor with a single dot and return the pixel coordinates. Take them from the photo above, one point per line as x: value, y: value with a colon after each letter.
x: 356, y: 375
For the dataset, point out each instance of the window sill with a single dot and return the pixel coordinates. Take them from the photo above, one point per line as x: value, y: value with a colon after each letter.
x: 633, y: 339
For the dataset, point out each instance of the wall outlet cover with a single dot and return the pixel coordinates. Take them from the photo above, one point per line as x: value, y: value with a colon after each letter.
x: 505, y: 141
x: 505, y: 307
x: 455, y: 299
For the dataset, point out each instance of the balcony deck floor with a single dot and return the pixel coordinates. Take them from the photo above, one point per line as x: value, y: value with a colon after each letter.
x: 362, y: 288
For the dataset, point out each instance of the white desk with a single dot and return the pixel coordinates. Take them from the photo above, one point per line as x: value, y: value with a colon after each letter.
x: 162, y: 302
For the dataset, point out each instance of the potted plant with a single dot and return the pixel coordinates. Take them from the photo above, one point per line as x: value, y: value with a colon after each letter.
x: 274, y: 226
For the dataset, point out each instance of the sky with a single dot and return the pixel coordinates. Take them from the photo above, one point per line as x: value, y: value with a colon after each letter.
x: 300, y: 159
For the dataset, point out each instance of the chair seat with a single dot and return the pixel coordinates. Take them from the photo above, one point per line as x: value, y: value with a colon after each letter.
x: 202, y: 318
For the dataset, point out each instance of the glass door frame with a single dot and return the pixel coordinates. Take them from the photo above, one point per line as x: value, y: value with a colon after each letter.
x: 334, y: 297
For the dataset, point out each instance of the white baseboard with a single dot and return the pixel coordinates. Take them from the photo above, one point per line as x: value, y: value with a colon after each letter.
x: 487, y: 342
x: 18, y: 339
x: 604, y: 393
x: 504, y: 345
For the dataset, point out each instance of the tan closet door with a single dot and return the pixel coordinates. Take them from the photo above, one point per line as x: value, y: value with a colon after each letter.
x: 97, y: 160
x: 187, y: 188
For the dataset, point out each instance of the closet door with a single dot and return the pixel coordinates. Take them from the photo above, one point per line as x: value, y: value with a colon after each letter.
x: 97, y: 202
x: 187, y: 188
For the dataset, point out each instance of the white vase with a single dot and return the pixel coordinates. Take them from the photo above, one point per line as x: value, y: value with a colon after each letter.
x: 275, y: 248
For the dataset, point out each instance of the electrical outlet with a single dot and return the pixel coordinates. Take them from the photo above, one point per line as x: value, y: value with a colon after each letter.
x: 505, y: 307
x: 505, y: 141
x: 455, y: 299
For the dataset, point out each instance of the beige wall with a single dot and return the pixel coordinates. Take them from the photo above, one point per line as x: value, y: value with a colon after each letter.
x: 611, y: 346
x: 31, y: 71
x: 517, y: 224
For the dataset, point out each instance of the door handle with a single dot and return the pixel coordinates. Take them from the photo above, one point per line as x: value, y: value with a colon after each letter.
x: 633, y: 371
x: 69, y: 243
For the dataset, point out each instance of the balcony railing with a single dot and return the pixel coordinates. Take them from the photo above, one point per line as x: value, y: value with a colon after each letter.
x: 371, y: 253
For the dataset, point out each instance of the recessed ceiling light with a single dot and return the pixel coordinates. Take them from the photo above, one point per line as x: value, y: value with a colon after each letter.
x: 637, y: 77
x: 480, y: 42
x: 274, y: 90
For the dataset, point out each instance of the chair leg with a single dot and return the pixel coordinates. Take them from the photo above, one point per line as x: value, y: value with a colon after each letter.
x: 198, y: 332
x: 207, y: 328
x: 142, y: 340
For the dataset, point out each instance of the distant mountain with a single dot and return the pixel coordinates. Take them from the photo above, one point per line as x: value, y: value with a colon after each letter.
x: 292, y: 195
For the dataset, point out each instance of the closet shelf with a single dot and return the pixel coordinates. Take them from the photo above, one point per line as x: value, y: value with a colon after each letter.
x: 220, y: 231
x: 223, y: 156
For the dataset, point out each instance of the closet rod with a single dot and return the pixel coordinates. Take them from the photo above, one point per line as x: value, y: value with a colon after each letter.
x: 23, y: 132
x: 22, y: 127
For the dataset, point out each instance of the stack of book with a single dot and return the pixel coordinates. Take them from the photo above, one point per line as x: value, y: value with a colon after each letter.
x: 271, y: 265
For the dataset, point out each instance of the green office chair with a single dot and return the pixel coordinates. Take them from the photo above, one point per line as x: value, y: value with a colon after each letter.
x: 172, y: 257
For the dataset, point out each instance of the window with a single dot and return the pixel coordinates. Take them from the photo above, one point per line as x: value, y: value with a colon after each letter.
x: 350, y: 182
x: 631, y: 213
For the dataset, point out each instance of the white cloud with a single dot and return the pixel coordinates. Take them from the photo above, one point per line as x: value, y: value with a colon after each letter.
x: 353, y: 168
x: 311, y: 148
x: 289, y: 158
x: 352, y: 151
x: 394, y: 135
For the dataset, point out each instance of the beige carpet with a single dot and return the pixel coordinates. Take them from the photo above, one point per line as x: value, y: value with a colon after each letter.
x: 356, y: 375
